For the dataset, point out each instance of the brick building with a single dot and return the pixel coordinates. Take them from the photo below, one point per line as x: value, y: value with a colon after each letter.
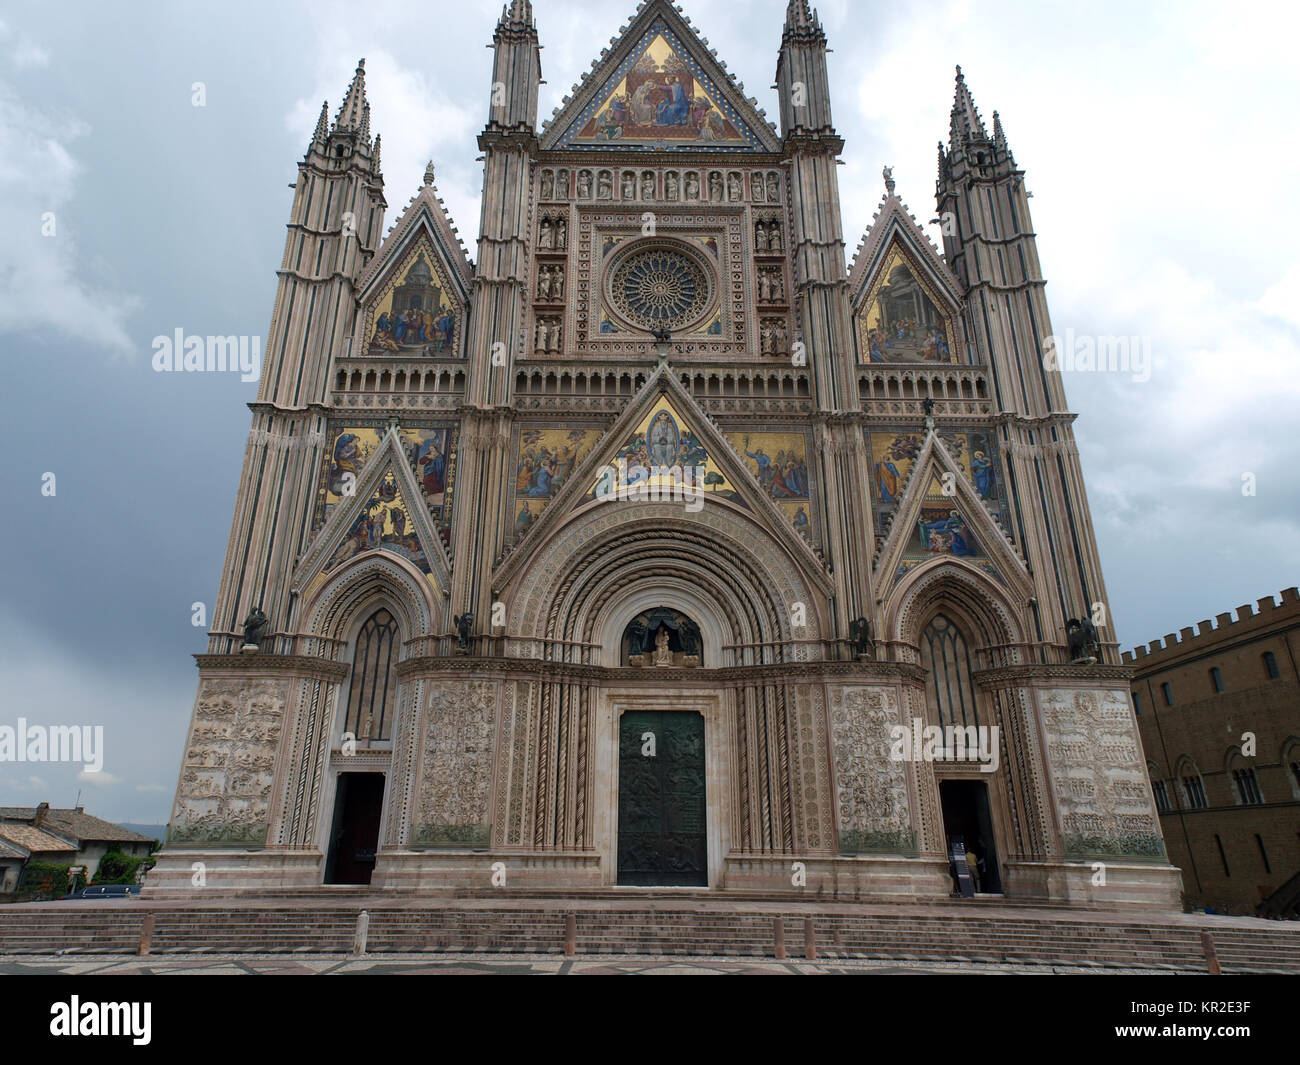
x: 1229, y: 808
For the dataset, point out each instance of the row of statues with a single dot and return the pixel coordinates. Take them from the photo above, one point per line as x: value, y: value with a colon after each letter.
x: 688, y: 185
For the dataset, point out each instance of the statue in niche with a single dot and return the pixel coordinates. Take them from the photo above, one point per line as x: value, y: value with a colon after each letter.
x: 561, y: 184
x: 637, y: 636
x: 774, y: 236
x: 715, y: 186
x: 561, y: 233
x: 548, y: 185
x: 760, y: 237
x: 692, y: 186
x: 557, y: 284
x: 584, y: 184
x: 663, y: 656
x: 765, y: 286
x: 765, y: 339
x: 756, y: 182
x: 735, y: 190
x: 464, y: 626
x: 604, y: 186
x: 1085, y: 645
x: 860, y: 636
x: 670, y: 185
x: 629, y: 185
x: 779, y: 346
x: 773, y: 189
x: 690, y: 637
x: 254, y: 629
x: 648, y: 185
x: 546, y: 236
x: 544, y: 284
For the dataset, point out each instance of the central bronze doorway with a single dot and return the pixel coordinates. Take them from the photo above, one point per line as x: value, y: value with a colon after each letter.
x: 662, y: 838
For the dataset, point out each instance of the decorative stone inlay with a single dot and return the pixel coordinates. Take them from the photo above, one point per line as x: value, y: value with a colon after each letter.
x: 660, y: 288
x: 874, y: 812
x: 1101, y: 786
x: 225, y: 785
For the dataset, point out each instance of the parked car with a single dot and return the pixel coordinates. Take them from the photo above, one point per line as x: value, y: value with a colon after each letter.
x: 106, y: 891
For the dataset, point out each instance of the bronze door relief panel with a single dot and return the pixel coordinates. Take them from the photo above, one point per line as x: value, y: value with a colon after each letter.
x: 662, y: 805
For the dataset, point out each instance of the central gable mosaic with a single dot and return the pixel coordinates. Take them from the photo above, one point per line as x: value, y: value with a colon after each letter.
x: 661, y: 99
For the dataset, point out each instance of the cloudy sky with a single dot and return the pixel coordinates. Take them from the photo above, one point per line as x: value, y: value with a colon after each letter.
x: 1159, y: 143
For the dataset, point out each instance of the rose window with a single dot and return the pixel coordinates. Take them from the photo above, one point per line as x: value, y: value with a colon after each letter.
x: 660, y: 288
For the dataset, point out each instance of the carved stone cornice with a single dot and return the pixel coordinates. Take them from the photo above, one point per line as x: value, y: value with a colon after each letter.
x: 1016, y: 676
x: 291, y: 665
x: 729, y: 676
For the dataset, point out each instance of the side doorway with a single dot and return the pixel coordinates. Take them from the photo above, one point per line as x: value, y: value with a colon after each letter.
x: 968, y: 826
x: 354, y: 837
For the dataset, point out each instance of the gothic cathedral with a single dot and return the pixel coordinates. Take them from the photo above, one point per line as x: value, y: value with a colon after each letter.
x: 660, y: 545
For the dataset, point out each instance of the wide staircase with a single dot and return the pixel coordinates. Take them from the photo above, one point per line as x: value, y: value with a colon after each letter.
x: 714, y: 928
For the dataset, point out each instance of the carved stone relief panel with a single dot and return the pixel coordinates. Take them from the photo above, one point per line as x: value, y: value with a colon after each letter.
x: 229, y: 762
x: 871, y: 798
x: 456, y: 774
x: 1102, y: 795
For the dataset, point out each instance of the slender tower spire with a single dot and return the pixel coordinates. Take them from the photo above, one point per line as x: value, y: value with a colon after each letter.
x: 990, y: 244
x: 335, y: 225
x: 812, y: 149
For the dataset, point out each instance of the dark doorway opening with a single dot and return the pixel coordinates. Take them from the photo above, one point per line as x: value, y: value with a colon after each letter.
x: 358, y: 808
x: 969, y: 828
x: 662, y: 840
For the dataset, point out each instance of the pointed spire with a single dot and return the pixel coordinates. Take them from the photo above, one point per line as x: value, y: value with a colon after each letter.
x: 801, y: 21
x: 966, y: 122
x: 518, y: 14
x: 375, y: 168
x: 365, y: 122
x: 352, y: 112
x: 999, y: 137
x: 322, y: 124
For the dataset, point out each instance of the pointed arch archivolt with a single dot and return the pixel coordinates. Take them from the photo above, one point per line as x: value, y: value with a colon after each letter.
x: 363, y: 585
x: 967, y: 595
x: 609, y: 560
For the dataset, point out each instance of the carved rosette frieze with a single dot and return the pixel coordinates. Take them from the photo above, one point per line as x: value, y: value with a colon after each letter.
x: 456, y: 771
x: 229, y: 763
x: 1094, y: 756
x: 871, y: 795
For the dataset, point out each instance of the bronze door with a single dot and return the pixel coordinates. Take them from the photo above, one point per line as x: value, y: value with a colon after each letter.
x: 661, y: 800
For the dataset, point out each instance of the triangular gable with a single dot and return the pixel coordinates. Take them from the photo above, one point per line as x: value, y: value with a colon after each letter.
x: 664, y: 452
x: 659, y: 88
x: 906, y: 302
x: 940, y: 515
x: 414, y: 296
x: 698, y: 443
x: 382, y: 512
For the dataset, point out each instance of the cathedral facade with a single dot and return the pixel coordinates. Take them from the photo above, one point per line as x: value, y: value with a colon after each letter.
x: 660, y: 545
